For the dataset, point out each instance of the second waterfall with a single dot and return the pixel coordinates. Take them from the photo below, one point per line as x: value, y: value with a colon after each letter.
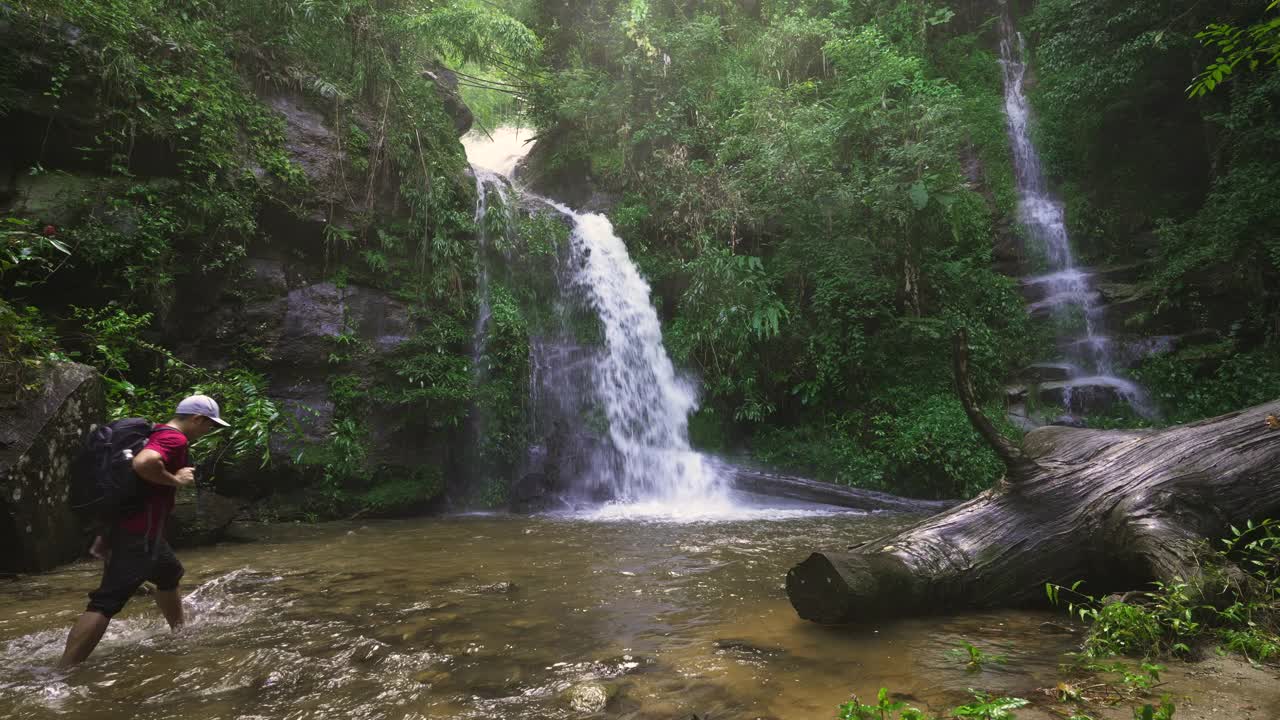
x: 1065, y: 292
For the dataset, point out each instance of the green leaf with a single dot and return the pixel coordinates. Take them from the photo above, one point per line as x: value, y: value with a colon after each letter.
x: 919, y: 195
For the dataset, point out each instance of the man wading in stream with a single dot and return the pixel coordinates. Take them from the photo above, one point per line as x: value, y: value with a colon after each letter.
x: 134, y: 546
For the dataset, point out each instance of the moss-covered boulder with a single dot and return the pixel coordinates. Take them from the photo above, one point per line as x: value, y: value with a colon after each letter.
x: 39, y: 442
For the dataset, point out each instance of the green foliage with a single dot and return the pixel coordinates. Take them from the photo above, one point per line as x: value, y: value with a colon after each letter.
x: 983, y: 707
x: 792, y: 184
x: 1210, y: 380
x: 884, y: 709
x: 1151, y: 712
x: 503, y: 384
x: 1173, y: 617
x: 115, y: 343
x: 27, y: 347
x: 973, y: 657
x: 404, y: 494
x: 26, y: 250
x: 986, y: 707
x: 1255, y: 45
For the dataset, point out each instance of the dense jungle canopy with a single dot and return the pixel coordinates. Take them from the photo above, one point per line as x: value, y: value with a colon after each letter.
x: 820, y: 193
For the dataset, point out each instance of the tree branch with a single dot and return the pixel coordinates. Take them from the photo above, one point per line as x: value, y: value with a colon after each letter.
x: 1019, y: 467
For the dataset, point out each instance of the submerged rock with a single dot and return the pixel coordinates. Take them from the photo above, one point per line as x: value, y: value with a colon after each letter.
x: 587, y: 697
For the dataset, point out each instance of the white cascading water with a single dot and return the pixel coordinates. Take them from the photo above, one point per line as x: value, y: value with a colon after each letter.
x: 1065, y: 290
x: 647, y: 404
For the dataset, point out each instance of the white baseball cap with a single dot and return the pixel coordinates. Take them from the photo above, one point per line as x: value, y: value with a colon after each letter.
x: 202, y: 405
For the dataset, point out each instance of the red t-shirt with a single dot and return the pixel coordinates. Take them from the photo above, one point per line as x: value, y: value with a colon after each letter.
x: 172, y: 446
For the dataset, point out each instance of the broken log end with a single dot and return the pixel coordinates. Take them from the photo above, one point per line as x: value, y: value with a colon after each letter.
x: 839, y: 587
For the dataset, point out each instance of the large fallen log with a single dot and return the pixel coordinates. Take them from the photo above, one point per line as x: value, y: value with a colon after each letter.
x: 789, y: 487
x: 1117, y: 509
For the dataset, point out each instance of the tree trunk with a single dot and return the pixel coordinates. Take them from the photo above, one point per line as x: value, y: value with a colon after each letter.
x: 1116, y: 508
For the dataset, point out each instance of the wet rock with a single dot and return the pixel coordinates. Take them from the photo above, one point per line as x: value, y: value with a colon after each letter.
x: 1130, y: 272
x: 1021, y: 419
x: 587, y: 698
x: 1086, y: 396
x: 746, y: 647
x: 53, y: 198
x: 432, y: 677
x: 40, y: 439
x: 571, y: 183
x: 499, y: 588
x: 202, y: 518
x: 1049, y: 372
x: 534, y: 493
x: 1015, y: 393
x: 446, y: 82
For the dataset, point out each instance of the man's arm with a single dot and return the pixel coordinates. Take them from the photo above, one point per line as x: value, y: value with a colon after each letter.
x: 149, y: 465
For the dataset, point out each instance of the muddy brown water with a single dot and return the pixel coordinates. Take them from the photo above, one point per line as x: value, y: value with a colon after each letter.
x: 499, y: 617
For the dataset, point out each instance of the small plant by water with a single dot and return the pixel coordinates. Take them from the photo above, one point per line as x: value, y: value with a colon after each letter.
x: 984, y: 706
x: 973, y: 657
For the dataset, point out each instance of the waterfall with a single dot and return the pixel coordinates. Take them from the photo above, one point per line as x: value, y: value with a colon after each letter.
x: 646, y: 403
x: 1066, y: 291
x: 632, y: 380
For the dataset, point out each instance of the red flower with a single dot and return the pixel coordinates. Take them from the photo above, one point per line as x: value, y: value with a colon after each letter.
x: 49, y: 231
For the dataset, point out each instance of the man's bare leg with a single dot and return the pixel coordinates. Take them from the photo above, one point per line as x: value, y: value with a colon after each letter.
x: 170, y: 604
x: 83, y: 638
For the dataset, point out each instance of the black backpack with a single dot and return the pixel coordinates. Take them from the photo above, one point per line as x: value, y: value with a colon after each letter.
x: 104, y: 483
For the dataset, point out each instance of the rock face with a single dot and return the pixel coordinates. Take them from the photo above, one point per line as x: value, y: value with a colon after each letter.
x: 1087, y: 396
x: 39, y: 442
x: 201, y: 518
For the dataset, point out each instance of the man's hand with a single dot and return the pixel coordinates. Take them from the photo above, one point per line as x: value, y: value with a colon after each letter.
x: 149, y: 465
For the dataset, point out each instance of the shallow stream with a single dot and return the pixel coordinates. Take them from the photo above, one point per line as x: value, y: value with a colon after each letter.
x: 499, y: 617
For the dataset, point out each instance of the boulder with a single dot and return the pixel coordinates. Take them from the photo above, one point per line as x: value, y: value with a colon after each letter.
x: 1049, y: 372
x: 446, y: 82
x: 536, y: 492
x: 202, y: 518
x: 587, y: 698
x: 1018, y: 415
x: 570, y: 182
x: 39, y: 442
x: 1086, y: 396
x: 1015, y: 394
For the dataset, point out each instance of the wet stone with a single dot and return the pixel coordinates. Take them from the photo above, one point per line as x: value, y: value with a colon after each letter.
x: 1081, y: 397
x: 432, y: 677
x: 498, y: 588
x: 1049, y: 372
x: 748, y: 648
x: 587, y: 698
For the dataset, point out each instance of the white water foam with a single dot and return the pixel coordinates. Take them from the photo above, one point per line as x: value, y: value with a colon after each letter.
x: 653, y: 511
x: 27, y: 664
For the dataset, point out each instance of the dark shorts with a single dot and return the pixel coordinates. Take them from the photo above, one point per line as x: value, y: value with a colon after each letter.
x: 134, y: 561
